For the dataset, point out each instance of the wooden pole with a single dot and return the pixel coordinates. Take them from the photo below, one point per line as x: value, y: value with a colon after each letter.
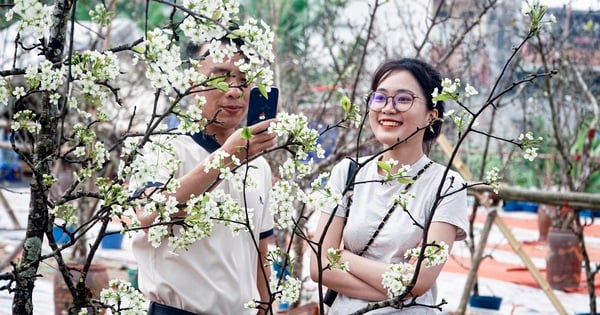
x: 559, y: 198
x: 475, y: 261
x: 10, y: 211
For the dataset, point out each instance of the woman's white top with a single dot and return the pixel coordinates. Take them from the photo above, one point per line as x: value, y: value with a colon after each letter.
x: 372, y: 201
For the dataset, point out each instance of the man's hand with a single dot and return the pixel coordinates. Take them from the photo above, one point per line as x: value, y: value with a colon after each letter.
x: 260, y: 141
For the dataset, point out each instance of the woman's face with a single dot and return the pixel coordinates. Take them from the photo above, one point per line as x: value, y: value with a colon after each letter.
x: 391, y: 125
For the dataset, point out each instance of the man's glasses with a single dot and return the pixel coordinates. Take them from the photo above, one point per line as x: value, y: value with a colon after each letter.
x: 402, y: 101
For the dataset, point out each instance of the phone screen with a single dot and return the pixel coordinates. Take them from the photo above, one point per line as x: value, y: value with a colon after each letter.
x: 261, y: 108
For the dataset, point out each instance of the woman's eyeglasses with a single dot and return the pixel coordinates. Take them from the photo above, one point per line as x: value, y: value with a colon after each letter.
x: 402, y: 101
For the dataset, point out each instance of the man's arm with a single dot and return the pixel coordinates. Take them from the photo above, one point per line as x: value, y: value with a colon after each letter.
x: 197, y: 181
x: 263, y: 272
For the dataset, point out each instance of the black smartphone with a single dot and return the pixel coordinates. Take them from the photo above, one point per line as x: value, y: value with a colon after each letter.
x: 261, y: 108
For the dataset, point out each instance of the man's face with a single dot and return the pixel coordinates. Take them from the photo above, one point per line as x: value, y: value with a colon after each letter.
x: 231, y: 106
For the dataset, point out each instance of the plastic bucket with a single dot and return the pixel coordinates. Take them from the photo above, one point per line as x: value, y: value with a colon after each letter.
x: 112, y: 241
x: 60, y: 236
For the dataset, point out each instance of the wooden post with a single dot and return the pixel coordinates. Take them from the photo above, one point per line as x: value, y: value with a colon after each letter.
x: 475, y: 261
x: 10, y: 211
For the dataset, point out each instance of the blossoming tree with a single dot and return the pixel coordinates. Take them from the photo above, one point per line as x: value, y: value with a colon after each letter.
x: 64, y: 108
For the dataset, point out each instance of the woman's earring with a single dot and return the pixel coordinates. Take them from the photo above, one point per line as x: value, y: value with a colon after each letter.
x: 431, y: 126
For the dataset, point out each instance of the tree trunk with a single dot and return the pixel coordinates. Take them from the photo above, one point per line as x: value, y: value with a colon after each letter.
x: 38, y: 222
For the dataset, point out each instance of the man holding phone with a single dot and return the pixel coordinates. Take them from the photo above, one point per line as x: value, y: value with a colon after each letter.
x: 220, y: 273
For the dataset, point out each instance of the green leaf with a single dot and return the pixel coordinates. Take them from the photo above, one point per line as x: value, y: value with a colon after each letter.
x: 138, y: 49
x: 263, y: 90
x: 589, y: 26
x: 191, y: 218
x: 384, y: 166
x: 444, y: 97
x: 222, y: 86
x: 346, y: 104
x: 405, y: 180
x: 246, y: 133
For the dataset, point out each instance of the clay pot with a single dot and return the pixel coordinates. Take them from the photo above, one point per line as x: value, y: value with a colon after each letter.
x: 96, y: 280
x: 563, y: 261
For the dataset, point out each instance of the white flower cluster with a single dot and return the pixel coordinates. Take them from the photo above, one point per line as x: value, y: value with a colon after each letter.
x: 232, y: 214
x: 529, y: 144
x: 450, y: 91
x: 36, y: 17
x: 462, y: 120
x: 88, y: 69
x: 99, y: 154
x: 164, y: 69
x: 44, y: 76
x: 4, y: 92
x: 403, y: 198
x: 252, y: 304
x: 281, y: 204
x: 123, y: 298
x: 303, y: 138
x: 201, y: 30
x: 399, y: 275
x: 89, y: 148
x: 258, y: 37
x: 100, y: 15
x: 400, y: 176
x: 191, y: 120
x: 324, y: 198
x: 435, y: 254
x: 25, y: 120
x: 202, y: 212
x: 242, y: 182
x: 286, y: 291
x: 493, y: 178
x: 449, y: 86
x: 258, y: 51
x: 320, y: 181
x: 397, y: 278
x: 163, y: 208
x: 117, y: 197
x: 217, y: 162
x: 67, y: 212
x: 143, y: 167
x: 334, y: 257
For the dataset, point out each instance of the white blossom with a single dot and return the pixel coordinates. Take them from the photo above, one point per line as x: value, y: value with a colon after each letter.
x: 35, y: 17
x: 125, y: 299
x: 286, y: 291
x: 493, y: 178
x: 397, y: 278
x: 4, y: 93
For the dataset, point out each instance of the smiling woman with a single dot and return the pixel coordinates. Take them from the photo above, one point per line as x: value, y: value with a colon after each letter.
x: 393, y: 201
